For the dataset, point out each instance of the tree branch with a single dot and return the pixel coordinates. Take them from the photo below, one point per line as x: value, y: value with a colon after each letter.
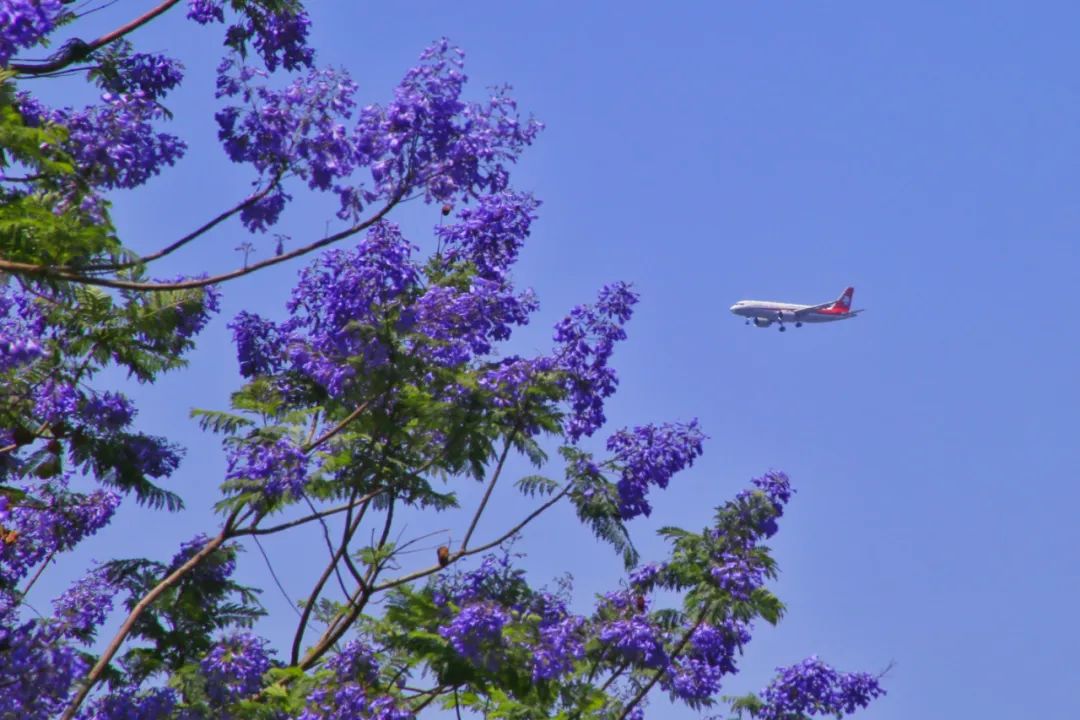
x: 171, y: 579
x: 78, y: 51
x: 487, y: 493
x: 168, y: 249
x: 59, y: 273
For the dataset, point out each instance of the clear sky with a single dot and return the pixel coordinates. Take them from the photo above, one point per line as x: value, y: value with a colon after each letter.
x: 711, y: 152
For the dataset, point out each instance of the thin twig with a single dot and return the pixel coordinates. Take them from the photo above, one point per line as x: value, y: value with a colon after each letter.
x: 59, y: 273
x: 487, y: 493
x: 274, y: 575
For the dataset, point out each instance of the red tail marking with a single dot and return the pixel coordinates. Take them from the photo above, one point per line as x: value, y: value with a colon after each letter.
x: 842, y: 306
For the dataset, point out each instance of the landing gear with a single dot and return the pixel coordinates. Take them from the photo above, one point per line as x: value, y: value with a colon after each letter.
x: 783, y: 329
x: 798, y: 324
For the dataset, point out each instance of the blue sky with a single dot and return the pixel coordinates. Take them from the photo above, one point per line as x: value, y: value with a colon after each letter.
x: 711, y: 152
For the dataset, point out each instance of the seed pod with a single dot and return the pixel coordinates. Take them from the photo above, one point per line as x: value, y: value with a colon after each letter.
x: 444, y: 555
x: 447, y: 209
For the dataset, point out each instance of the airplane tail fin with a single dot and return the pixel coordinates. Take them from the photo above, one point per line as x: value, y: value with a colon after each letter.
x: 843, y: 303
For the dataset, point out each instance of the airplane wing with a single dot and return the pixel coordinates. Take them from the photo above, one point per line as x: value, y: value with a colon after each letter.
x: 814, y: 308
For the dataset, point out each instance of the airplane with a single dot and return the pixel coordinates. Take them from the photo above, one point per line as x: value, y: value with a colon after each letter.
x: 763, y: 313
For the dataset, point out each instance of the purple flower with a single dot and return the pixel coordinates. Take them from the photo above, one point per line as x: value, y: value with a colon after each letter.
x: 635, y: 640
x: 129, y: 704
x: 83, y: 606
x: 476, y: 630
x: 338, y: 302
x: 55, y: 402
x: 108, y: 411
x: 56, y: 523
x: 644, y: 577
x: 206, y: 11
x: 459, y: 325
x: 560, y: 644
x: 813, y: 688
x: 234, y: 667
x: 151, y: 75
x: 279, y: 468
x: 24, y: 22
x: 586, y: 339
x: 737, y: 575
x: 152, y: 456
x: 259, y: 345
x: 650, y: 455
x: 355, y: 662
x: 213, y: 570
x: 490, y: 235
x: 114, y: 144
x: 695, y: 676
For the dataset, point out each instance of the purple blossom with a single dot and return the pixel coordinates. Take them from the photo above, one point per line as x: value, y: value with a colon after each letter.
x: 259, y: 345
x: 37, y: 668
x: 695, y: 676
x: 339, y: 296
x: 280, y: 37
x: 811, y: 687
x: 475, y: 630
x: 635, y: 640
x: 490, y: 235
x: 83, y: 606
x: 56, y: 523
x: 737, y: 575
x: 776, y: 487
x: 16, y: 351
x: 279, y: 468
x: 129, y: 704
x: 350, y: 702
x: 355, y: 662
x: 299, y: 127
x: 109, y: 412
x: 152, y: 456
x: 510, y: 379
x: 644, y: 577
x: 560, y: 644
x: 650, y: 455
x: 114, y: 144
x: 459, y: 325
x: 153, y: 75
x: 213, y: 570
x: 55, y: 402
x: 24, y: 22
x: 206, y: 11
x: 234, y: 667
x: 586, y: 339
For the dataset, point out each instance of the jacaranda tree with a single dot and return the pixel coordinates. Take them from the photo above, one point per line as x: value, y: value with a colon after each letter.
x: 382, y: 391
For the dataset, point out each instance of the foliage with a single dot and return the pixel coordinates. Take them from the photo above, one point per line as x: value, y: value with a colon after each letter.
x: 382, y: 391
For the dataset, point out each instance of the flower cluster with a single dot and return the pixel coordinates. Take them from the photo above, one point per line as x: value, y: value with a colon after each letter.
x: 279, y: 469
x: 83, y: 607
x: 213, y: 570
x: 635, y: 640
x: 128, y: 704
x: 38, y: 668
x: 737, y: 574
x: 24, y: 22
x: 696, y: 674
x: 585, y: 341
x: 650, y: 455
x: 56, y: 522
x: 108, y: 411
x: 259, y: 345
x: 346, y: 695
x: 489, y: 235
x: 776, y: 487
x: 114, y: 144
x: 812, y: 687
x: 476, y: 630
x: 234, y: 667
x: 152, y: 75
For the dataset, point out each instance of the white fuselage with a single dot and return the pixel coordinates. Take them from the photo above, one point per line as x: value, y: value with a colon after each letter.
x: 782, y: 312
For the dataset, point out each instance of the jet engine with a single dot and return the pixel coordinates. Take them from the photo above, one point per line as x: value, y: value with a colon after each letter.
x: 762, y: 322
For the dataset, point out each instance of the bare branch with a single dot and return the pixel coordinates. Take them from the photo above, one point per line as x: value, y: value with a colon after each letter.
x: 487, y: 493
x: 273, y: 574
x: 61, y: 273
x: 78, y: 51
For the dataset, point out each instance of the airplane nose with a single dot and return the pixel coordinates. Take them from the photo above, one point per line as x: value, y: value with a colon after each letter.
x: 734, y: 307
